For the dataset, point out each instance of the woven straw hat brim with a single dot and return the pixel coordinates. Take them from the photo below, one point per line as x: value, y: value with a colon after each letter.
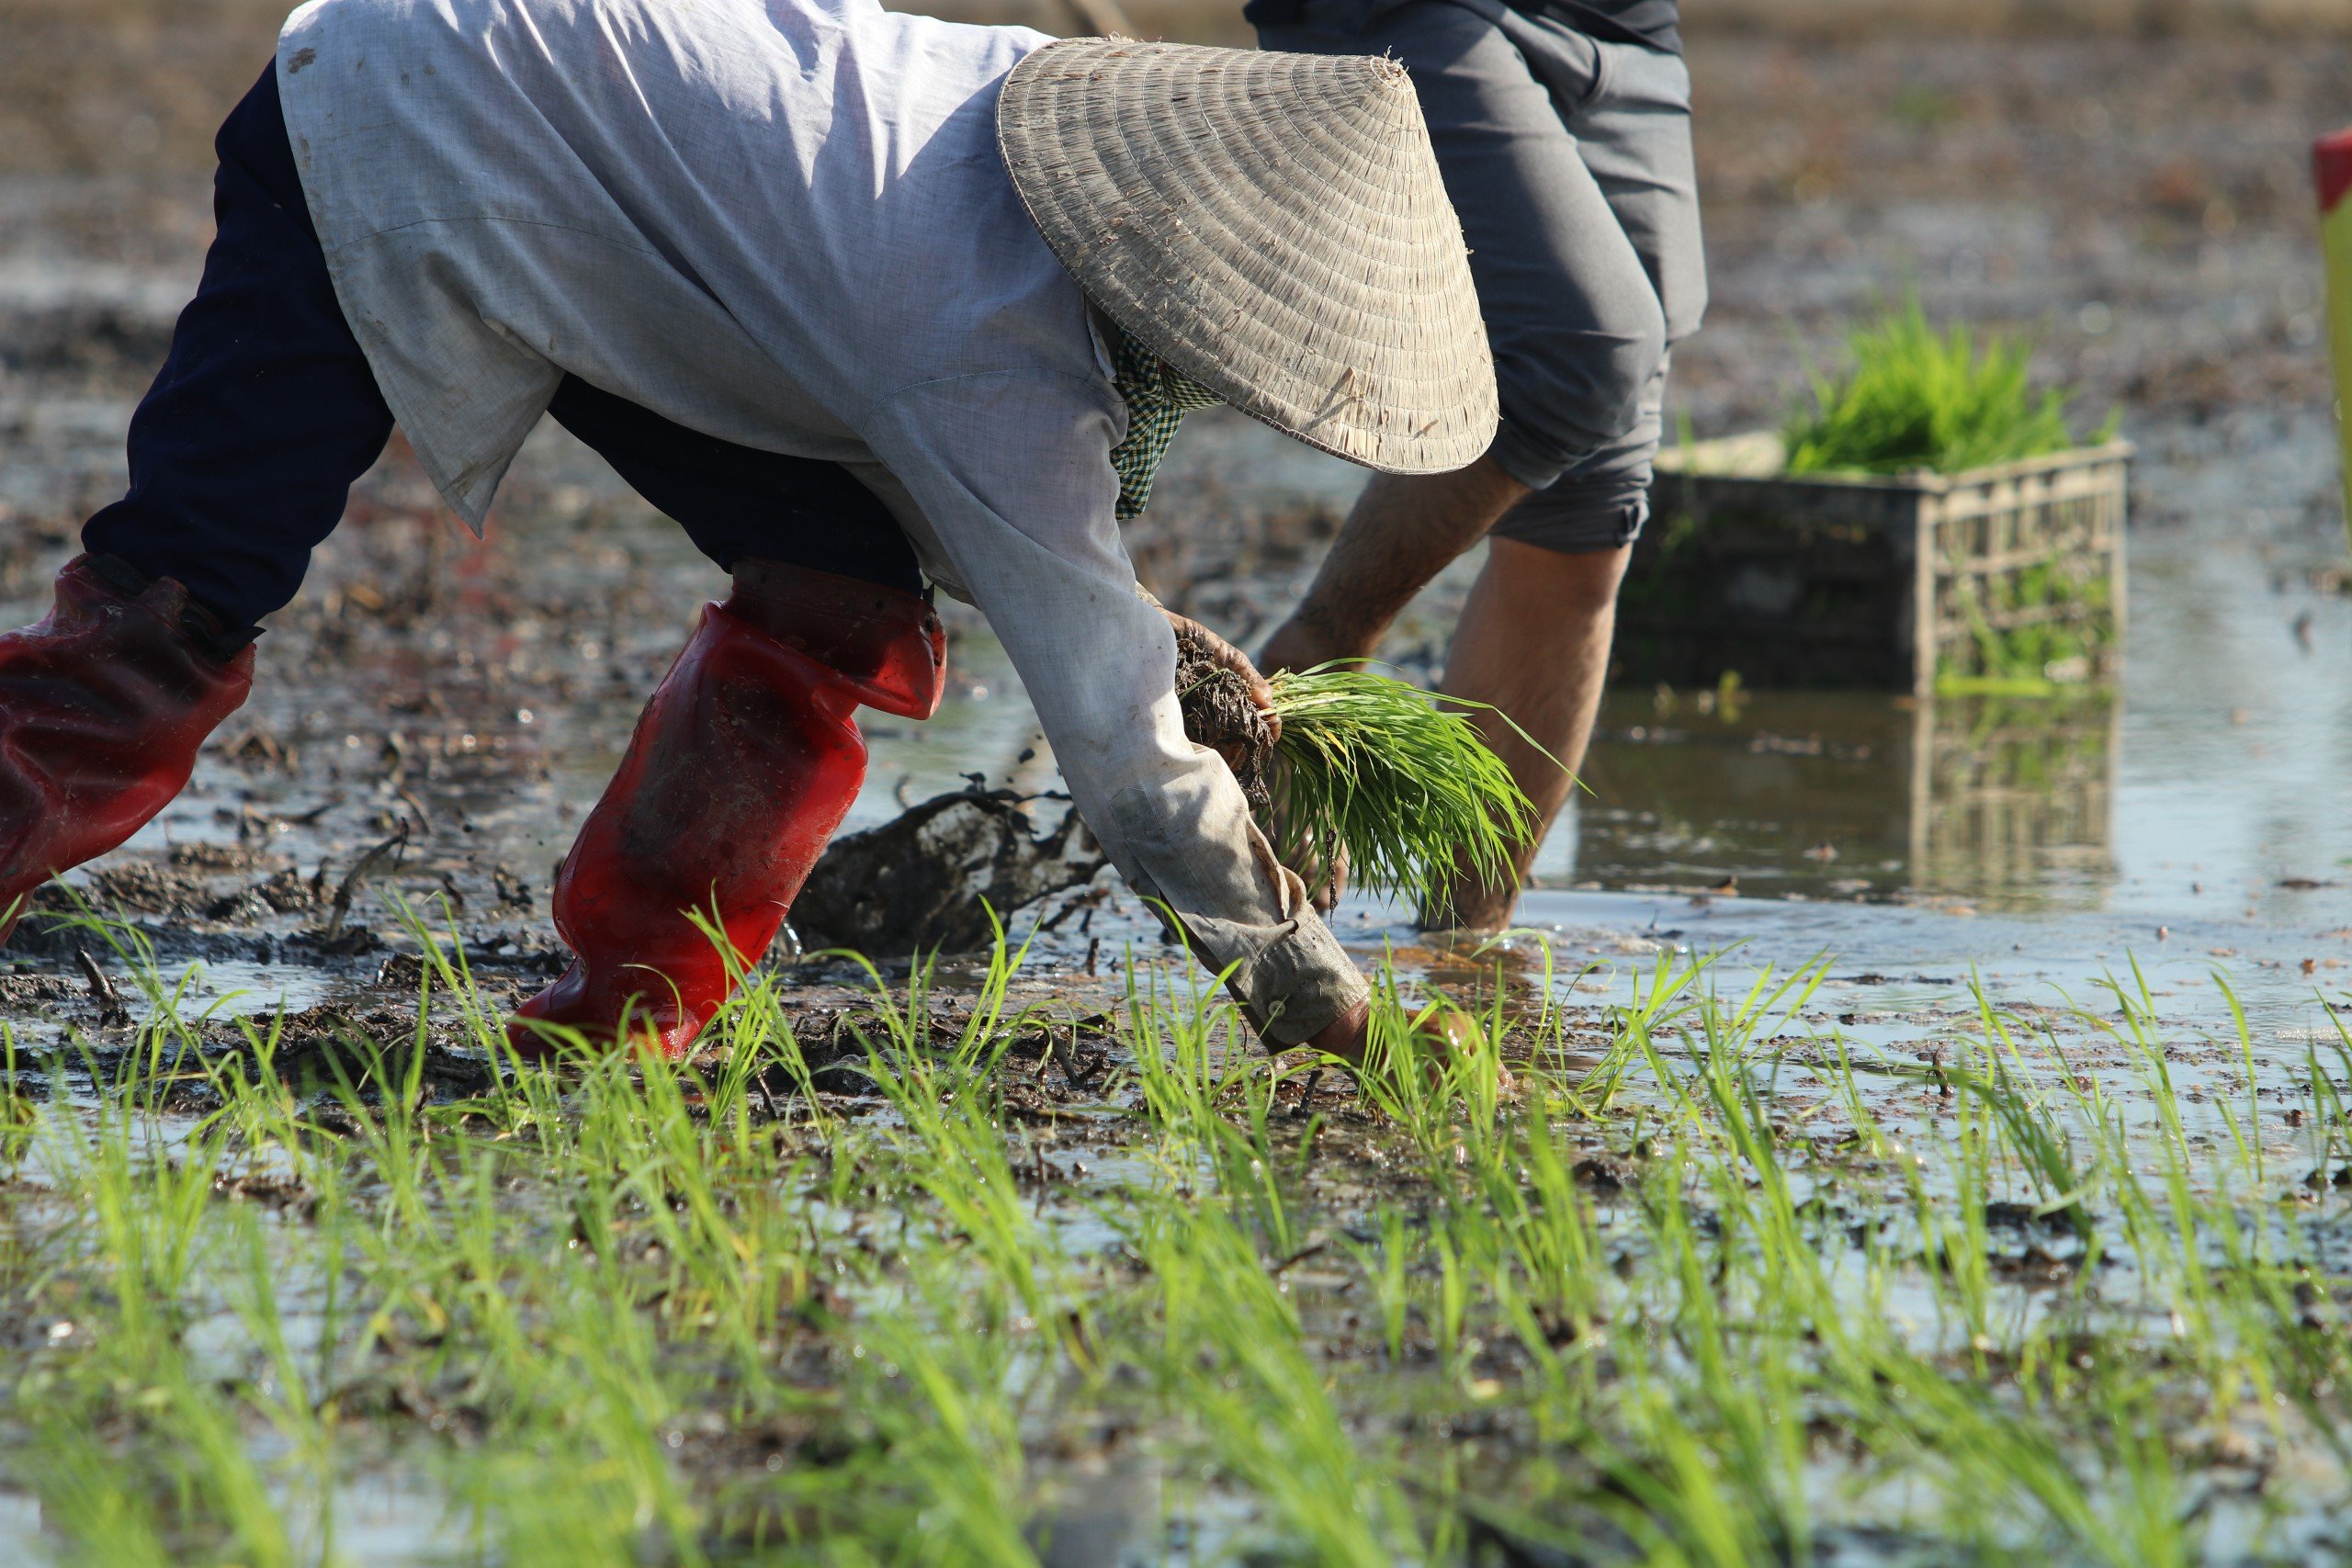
x: 1272, y: 225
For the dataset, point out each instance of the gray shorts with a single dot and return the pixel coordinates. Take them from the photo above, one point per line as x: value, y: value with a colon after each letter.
x: 1569, y: 158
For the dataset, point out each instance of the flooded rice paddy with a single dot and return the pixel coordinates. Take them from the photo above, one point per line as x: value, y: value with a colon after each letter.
x: 1926, y: 1141
x: 1896, y: 1130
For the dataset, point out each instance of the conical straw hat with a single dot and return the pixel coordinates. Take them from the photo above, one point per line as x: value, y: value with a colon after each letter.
x: 1272, y: 225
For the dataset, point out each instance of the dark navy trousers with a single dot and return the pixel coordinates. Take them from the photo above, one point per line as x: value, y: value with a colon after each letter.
x: 243, y: 452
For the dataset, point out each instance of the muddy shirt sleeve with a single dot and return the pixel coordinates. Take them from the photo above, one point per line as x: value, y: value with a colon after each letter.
x: 1012, y: 476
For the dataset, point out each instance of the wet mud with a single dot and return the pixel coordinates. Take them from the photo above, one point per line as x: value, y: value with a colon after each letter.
x: 944, y: 876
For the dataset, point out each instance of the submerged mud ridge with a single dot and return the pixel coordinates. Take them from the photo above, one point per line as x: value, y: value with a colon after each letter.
x: 941, y: 877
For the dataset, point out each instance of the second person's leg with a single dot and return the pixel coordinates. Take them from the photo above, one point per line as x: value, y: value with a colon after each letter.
x: 1568, y: 161
x: 1533, y: 640
x: 1574, y: 321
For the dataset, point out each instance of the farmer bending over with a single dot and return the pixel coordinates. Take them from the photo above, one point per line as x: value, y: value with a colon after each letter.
x: 865, y: 301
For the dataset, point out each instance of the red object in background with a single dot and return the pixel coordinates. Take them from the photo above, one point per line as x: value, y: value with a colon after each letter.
x: 102, y: 707
x: 2332, y: 162
x: 742, y: 764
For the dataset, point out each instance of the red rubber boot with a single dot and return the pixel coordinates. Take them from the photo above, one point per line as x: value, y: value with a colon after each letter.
x: 742, y: 764
x: 102, y: 707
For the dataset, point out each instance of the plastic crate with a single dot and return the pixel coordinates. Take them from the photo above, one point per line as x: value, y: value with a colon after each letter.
x: 1901, y: 582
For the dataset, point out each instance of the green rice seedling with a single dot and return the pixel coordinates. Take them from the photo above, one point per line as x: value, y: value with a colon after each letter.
x: 1438, y: 1086
x: 1180, y: 1072
x: 1397, y: 778
x: 953, y: 1151
x: 143, y: 1204
x: 1954, y: 1235
x: 2248, y: 1134
x: 1771, y: 1322
x: 290, y: 1396
x: 1701, y: 1461
x: 2328, y: 1120
x: 2039, y: 1143
x: 1383, y: 1267
x: 392, y: 1140
x: 1193, y: 1060
x: 176, y: 1438
x: 941, y: 1390
x: 102, y: 1515
x: 1551, y: 1229
x: 731, y: 1265
x: 1230, y: 1359
x: 1916, y: 398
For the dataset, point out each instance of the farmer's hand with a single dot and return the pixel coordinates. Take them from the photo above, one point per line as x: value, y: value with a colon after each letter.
x: 1224, y: 656
x: 1448, y: 1035
x: 1326, y: 872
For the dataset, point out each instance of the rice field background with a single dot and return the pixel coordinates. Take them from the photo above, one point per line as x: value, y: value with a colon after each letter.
x: 1943, y: 1211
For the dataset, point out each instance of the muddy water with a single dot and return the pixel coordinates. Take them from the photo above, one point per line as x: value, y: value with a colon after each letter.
x: 480, y: 694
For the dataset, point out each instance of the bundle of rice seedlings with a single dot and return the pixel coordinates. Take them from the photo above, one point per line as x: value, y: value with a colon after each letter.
x: 1391, y: 782
x: 1916, y: 398
x: 1397, y: 779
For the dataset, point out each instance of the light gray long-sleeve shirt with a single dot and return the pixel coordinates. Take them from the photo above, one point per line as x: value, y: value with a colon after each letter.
x: 786, y: 225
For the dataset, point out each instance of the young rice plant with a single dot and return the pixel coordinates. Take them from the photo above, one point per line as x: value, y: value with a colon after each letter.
x: 1746, y: 1290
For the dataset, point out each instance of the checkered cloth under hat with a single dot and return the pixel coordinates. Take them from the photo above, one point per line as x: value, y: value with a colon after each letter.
x: 1159, y: 397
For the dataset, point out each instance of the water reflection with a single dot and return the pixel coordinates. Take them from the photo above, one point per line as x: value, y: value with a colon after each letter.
x: 1841, y: 794
x: 2015, y: 798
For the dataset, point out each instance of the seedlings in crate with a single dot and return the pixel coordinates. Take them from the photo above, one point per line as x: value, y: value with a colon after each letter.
x: 1916, y: 398
x: 2051, y: 624
x: 2005, y: 579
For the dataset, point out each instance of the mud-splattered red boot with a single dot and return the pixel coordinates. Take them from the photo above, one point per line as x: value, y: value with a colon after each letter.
x: 102, y: 707
x: 742, y: 764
